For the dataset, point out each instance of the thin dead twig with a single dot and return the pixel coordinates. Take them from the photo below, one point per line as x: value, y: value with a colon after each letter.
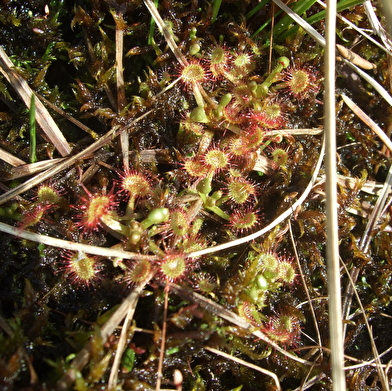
x: 321, y: 40
x: 163, y: 340
x: 380, y: 203
x: 166, y: 33
x: 79, y: 124
x: 359, y: 30
x: 332, y: 245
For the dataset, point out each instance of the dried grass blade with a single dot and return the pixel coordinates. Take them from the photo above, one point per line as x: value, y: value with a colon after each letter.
x: 303, y: 23
x: 32, y: 168
x: 359, y: 30
x: 43, y: 117
x: 368, y: 121
x: 376, y: 25
x: 166, y: 33
x: 69, y: 162
x: 198, y: 91
x: 11, y: 159
x: 121, y: 96
x: 73, y: 246
x: 80, y: 125
x: 387, y: 12
x: 304, y: 283
x: 369, y: 187
x: 230, y: 316
x: 163, y: 342
x: 246, y: 364
x: 377, y: 86
x: 124, y: 339
x: 296, y: 132
x: 107, y: 329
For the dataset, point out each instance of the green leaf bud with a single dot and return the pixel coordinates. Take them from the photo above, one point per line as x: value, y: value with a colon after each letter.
x: 262, y: 282
x: 198, y: 114
x: 156, y: 216
x: 204, y: 186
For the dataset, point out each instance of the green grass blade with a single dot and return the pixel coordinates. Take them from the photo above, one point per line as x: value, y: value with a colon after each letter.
x: 299, y: 8
x: 150, y: 38
x: 215, y: 9
x: 281, y: 34
x: 33, y: 133
x: 295, y: 17
x: 256, y: 9
x: 342, y: 5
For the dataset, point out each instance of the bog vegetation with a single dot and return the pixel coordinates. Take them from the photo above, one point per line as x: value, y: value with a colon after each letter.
x: 185, y: 176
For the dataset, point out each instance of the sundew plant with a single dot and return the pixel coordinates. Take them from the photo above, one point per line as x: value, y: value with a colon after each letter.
x: 162, y: 201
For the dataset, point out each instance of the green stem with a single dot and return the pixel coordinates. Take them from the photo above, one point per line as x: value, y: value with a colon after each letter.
x: 33, y: 133
x: 150, y: 38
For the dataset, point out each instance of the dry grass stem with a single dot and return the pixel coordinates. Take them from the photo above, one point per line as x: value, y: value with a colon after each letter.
x: 375, y: 23
x: 113, y: 133
x: 121, y: 97
x: 332, y: 245
x: 305, y: 25
x: 377, y: 86
x: 296, y: 132
x: 71, y: 119
x: 382, y: 375
x: 73, y: 246
x: 369, y: 187
x: 122, y: 342
x: 33, y: 168
x: 44, y: 119
x: 195, y: 207
x: 368, y: 121
x: 198, y: 91
x: 230, y: 316
x: 377, y: 212
x: 107, y: 329
x: 359, y: 30
x: 163, y: 340
x: 166, y: 33
x: 246, y: 364
x: 321, y: 40
x: 11, y: 159
x: 305, y: 285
